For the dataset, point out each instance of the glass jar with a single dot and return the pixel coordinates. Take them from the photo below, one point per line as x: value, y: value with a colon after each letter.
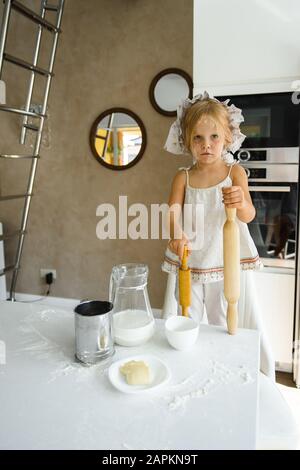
x: 133, y: 322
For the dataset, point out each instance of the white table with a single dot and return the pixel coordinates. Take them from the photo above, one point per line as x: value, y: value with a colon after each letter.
x: 48, y: 401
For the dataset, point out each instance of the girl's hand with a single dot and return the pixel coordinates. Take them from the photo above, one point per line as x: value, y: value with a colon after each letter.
x: 234, y: 197
x: 177, y: 246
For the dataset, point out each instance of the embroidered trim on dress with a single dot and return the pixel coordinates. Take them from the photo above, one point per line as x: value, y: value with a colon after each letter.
x: 212, y: 274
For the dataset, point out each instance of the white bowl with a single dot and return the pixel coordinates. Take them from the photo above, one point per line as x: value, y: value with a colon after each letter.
x: 181, y: 332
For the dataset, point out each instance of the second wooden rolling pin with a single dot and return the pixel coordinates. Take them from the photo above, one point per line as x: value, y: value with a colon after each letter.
x: 231, y: 254
x: 185, y: 284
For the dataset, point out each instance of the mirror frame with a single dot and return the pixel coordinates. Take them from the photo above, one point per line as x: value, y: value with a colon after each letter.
x: 94, y: 130
x: 157, y: 77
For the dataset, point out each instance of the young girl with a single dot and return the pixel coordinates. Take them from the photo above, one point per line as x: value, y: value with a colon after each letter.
x: 207, y: 129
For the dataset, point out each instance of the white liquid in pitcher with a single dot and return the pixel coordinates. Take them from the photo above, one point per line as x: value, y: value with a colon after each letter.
x: 132, y: 327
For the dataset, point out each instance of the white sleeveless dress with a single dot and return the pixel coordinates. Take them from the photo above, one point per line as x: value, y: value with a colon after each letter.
x: 206, y: 264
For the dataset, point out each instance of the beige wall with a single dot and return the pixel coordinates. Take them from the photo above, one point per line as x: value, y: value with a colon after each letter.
x: 108, y: 53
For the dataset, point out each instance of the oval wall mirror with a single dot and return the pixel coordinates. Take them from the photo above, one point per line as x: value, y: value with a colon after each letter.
x: 168, y: 88
x: 118, y: 138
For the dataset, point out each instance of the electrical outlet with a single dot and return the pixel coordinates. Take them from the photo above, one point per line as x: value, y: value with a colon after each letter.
x: 43, y: 273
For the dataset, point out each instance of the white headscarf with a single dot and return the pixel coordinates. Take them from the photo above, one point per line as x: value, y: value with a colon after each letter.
x: 175, y: 140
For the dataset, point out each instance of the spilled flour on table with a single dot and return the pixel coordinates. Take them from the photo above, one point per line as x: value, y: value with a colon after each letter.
x: 35, y: 342
x: 195, y: 386
x: 79, y: 370
x: 36, y: 329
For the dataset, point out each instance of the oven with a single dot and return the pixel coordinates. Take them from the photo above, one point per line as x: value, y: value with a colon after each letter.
x: 271, y: 120
x: 273, y: 176
x: 270, y: 156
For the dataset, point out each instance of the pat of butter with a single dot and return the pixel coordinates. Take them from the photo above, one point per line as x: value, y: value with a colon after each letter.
x: 136, y: 372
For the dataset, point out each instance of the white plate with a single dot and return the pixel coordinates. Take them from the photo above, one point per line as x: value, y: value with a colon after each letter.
x: 159, y: 374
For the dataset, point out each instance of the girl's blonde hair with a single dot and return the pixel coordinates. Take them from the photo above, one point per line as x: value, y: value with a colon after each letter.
x: 206, y: 108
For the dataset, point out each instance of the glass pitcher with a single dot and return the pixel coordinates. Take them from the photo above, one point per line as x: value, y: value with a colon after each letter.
x: 133, y: 322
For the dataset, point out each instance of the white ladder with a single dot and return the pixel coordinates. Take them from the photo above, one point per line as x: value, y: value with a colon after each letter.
x: 27, y: 112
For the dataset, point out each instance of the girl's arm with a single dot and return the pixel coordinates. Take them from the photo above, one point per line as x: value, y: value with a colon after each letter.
x: 176, y: 200
x: 238, y: 195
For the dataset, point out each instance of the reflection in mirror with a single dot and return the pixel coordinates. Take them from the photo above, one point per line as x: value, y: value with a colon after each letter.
x: 118, y: 138
x: 168, y: 88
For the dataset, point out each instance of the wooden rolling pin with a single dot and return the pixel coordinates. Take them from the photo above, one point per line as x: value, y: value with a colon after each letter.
x: 185, y: 284
x: 231, y: 254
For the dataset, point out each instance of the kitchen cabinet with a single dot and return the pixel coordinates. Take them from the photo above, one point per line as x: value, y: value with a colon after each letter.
x: 275, y: 293
x: 246, y: 47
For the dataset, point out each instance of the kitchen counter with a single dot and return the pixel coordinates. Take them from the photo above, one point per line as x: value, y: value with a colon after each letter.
x: 50, y: 401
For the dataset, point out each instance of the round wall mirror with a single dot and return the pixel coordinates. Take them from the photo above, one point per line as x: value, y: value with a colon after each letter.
x: 118, y: 138
x: 168, y: 88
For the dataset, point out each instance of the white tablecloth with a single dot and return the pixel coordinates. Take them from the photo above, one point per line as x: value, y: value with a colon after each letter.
x: 49, y: 401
